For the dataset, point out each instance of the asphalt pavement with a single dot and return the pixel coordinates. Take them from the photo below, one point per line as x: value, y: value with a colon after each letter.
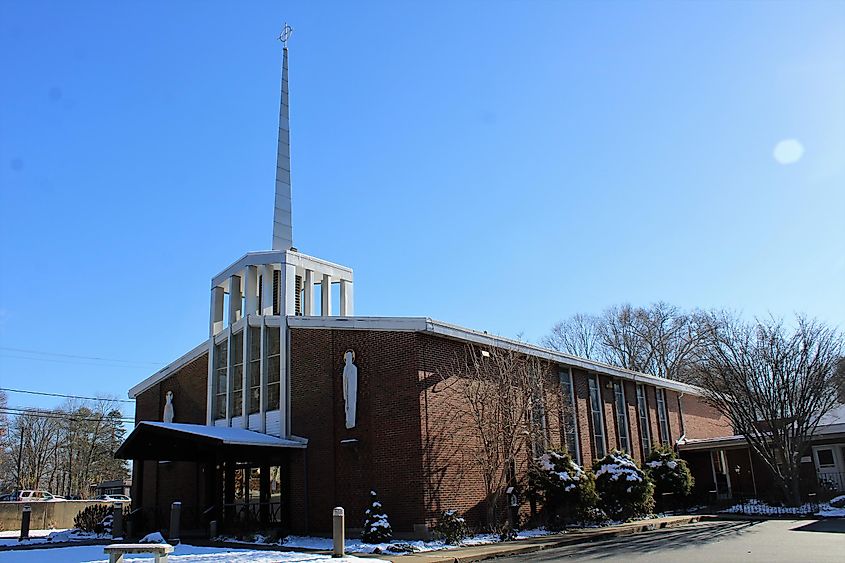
x: 712, y: 541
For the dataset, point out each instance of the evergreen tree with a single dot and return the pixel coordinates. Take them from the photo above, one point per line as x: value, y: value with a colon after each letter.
x: 376, y: 526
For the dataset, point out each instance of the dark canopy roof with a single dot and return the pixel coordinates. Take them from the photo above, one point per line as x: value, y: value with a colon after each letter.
x: 172, y: 441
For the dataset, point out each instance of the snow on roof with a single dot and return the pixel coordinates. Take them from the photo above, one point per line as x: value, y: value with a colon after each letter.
x: 228, y: 435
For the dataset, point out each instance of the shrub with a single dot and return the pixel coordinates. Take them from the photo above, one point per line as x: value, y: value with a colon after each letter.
x: 95, y: 518
x: 670, y: 474
x: 450, y: 528
x: 568, y: 489
x: 624, y: 490
x: 376, y: 526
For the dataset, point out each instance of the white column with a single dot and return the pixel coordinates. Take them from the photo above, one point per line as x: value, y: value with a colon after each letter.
x: 346, y: 304
x: 326, y: 295
x: 267, y: 289
x: 251, y: 290
x: 287, y: 290
x: 216, y: 323
x: 235, y: 299
x: 308, y: 299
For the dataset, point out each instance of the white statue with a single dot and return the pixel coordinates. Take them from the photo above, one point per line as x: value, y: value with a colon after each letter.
x: 350, y: 387
x: 168, y: 407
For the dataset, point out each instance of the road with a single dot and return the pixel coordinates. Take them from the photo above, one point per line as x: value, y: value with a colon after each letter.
x: 711, y: 542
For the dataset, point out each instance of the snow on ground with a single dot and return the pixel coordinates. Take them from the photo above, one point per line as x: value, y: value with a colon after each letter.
x: 10, y: 537
x: 182, y: 554
x: 357, y: 546
x: 758, y: 507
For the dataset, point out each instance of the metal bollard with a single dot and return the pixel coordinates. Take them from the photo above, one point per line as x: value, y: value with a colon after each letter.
x: 25, y: 517
x: 175, y: 514
x: 338, y: 532
x: 117, y: 520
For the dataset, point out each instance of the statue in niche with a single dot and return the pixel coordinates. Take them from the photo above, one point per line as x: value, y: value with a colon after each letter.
x: 168, y: 407
x: 350, y: 387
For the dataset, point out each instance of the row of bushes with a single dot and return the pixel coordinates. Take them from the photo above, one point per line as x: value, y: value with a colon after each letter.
x: 616, y: 488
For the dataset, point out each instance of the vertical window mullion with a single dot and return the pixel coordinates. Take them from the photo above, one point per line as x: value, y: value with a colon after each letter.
x: 642, y: 410
x: 621, y: 416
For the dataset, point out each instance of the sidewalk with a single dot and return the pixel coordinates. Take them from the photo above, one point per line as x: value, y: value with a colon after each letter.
x: 489, y: 551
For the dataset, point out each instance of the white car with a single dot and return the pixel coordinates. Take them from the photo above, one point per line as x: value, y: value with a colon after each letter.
x: 114, y: 498
x: 36, y: 496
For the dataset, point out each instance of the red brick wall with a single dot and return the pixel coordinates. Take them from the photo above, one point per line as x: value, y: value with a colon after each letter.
x: 703, y: 421
x: 165, y: 483
x: 388, y: 453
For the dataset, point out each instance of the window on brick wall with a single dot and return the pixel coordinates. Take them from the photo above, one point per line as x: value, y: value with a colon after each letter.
x: 621, y: 416
x: 642, y: 411
x: 237, y: 373
x: 221, y: 360
x: 570, y: 417
x: 596, y: 408
x: 254, y: 375
x: 662, y: 418
x: 273, y: 367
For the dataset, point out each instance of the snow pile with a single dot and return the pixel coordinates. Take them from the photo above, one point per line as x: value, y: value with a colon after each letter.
x: 759, y: 508
x: 155, y: 537
x: 671, y: 464
x: 620, y: 467
x: 562, y: 468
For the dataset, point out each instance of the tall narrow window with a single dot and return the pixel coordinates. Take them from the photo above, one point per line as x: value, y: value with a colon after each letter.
x: 254, y: 369
x: 237, y: 373
x: 599, y: 447
x: 273, y: 368
x: 662, y: 419
x: 221, y: 361
x: 621, y: 416
x: 570, y: 419
x: 642, y: 411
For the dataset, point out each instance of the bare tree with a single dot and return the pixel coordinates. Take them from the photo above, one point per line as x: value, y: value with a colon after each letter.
x: 501, y: 393
x: 660, y: 339
x: 774, y: 384
x: 578, y: 335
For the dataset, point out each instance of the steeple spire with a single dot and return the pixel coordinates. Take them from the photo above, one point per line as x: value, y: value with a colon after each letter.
x: 282, y: 221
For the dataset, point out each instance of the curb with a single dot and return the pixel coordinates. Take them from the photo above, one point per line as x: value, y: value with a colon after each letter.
x: 530, y: 545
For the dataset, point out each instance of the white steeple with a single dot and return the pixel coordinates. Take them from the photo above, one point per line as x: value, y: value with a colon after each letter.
x: 282, y: 221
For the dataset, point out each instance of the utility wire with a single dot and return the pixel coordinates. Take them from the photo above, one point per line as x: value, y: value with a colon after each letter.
x: 74, y: 362
x: 42, y: 353
x: 62, y: 415
x: 46, y: 394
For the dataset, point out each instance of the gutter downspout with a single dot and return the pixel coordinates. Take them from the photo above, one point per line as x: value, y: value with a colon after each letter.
x: 683, y: 437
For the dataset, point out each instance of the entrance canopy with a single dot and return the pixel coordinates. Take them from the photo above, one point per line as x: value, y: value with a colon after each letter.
x: 173, y: 441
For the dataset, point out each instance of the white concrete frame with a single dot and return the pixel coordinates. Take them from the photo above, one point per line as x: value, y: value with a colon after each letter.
x: 240, y: 281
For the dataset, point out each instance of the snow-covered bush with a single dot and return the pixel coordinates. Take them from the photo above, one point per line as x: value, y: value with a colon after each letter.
x: 95, y: 518
x: 624, y: 490
x: 450, y: 528
x: 670, y: 474
x: 569, y: 491
x: 376, y: 526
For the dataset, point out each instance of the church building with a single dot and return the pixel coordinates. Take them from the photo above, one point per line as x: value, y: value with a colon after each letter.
x: 294, y: 404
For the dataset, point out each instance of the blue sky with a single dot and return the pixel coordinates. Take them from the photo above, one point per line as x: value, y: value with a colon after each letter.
x: 499, y: 165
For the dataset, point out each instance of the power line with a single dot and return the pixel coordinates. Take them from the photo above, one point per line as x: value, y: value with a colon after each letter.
x: 62, y: 415
x: 74, y: 362
x: 42, y: 353
x: 46, y: 394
